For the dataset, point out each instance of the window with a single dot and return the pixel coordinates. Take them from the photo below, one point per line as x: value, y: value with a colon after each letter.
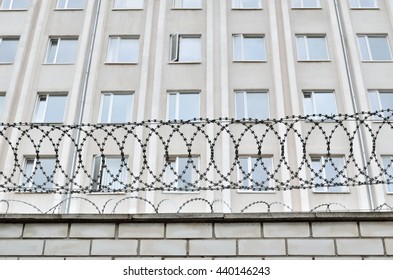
x: 299, y: 4
x: 388, y: 171
x: 181, y: 173
x: 2, y: 99
x: 254, y: 173
x: 50, y: 108
x: 312, y: 47
x: 246, y: 4
x: 116, y: 107
x: 251, y: 105
x: 185, y: 48
x: 363, y: 4
x: 374, y: 48
x: 183, y: 105
x: 8, y: 48
x: 70, y: 4
x: 123, y: 49
x: 381, y: 100
x: 128, y: 4
x: 319, y: 102
x: 249, y: 47
x: 109, y: 173
x: 187, y: 4
x: 15, y: 4
x: 61, y: 51
x: 327, y: 173
x: 38, y: 173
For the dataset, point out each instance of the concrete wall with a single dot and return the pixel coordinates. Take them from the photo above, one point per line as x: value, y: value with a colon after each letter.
x: 209, y: 236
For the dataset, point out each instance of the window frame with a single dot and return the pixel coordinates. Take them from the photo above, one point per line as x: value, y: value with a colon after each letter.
x: 250, y: 167
x: 306, y: 36
x: 359, y: 7
x: 99, y: 174
x: 127, y: 8
x: 119, y: 38
x: 245, y: 103
x: 323, y: 159
x: 7, y: 38
x: 378, y: 94
x: 10, y: 8
x: 67, y: 8
x: 175, y: 39
x: 112, y: 94
x: 233, y: 4
x: 303, y: 7
x: 243, y: 36
x: 177, y: 105
x: 48, y: 95
x: 369, y: 52
x: 181, y: 7
x: 314, y: 109
x: 48, y: 50
x: 389, y: 186
x: 176, y: 176
x: 28, y: 180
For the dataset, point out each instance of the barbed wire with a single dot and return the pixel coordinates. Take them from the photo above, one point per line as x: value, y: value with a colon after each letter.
x: 317, y: 152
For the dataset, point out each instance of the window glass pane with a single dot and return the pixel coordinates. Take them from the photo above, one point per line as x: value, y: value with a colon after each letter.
x: 244, y: 172
x: 363, y: 48
x: 128, y: 50
x: 67, y: 51
x: 174, y: 47
x: 52, y: 51
x: 253, y: 49
x: 2, y: 97
x: 105, y: 108
x: 186, y: 173
x: 333, y: 166
x: 379, y: 48
x: 325, y: 103
x: 386, y: 100
x: 113, y: 49
x: 39, y: 115
x: 296, y: 3
x: 236, y: 3
x: 55, y: 109
x: 121, y: 108
x: 187, y: 4
x: 388, y: 166
x: 96, y: 172
x: 317, y: 48
x: 374, y: 100
x: 188, y: 106
x: 76, y: 4
x: 301, y: 47
x: 240, y: 106
x: 367, y: 4
x: 189, y: 49
x: 308, y: 104
x: 128, y: 4
x: 114, y: 174
x: 172, y: 107
x: 261, y: 169
x: 311, y: 4
x: 6, y: 5
x: 44, y: 171
x: 237, y: 47
x: 28, y: 171
x: 8, y: 50
x: 61, y: 4
x: 317, y: 174
x: 258, y: 106
x: 20, y: 4
x: 247, y: 4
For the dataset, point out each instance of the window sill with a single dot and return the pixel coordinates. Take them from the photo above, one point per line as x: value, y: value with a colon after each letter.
x: 6, y: 63
x: 14, y: 10
x: 313, y: 61
x: 121, y: 63
x: 249, y: 61
x: 247, y: 9
x: 184, y: 62
x: 181, y: 192
x: 190, y: 9
x: 307, y: 8
x: 327, y: 192
x: 377, y: 61
x: 73, y: 9
x: 365, y: 8
x: 127, y: 9
x: 106, y: 193
x: 47, y: 123
x: 255, y: 192
x: 58, y: 63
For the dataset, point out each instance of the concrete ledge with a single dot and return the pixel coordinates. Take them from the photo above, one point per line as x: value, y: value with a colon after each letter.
x: 199, y: 217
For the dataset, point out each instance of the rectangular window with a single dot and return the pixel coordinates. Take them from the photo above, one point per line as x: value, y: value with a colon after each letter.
x: 251, y: 105
x: 8, y: 48
x: 312, y: 47
x: 246, y: 4
x: 14, y: 4
x: 61, y: 51
x: 388, y: 172
x: 249, y: 47
x: 187, y: 4
x: 70, y: 4
x: 327, y: 173
x: 381, y: 100
x: 116, y: 107
x: 254, y: 173
x: 38, y: 173
x: 123, y: 49
x: 319, y: 103
x: 50, y: 108
x: 109, y: 173
x: 363, y: 4
x: 183, y: 106
x: 374, y: 48
x: 306, y: 4
x: 2, y: 99
x: 128, y: 4
x: 185, y: 48
x: 181, y: 173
